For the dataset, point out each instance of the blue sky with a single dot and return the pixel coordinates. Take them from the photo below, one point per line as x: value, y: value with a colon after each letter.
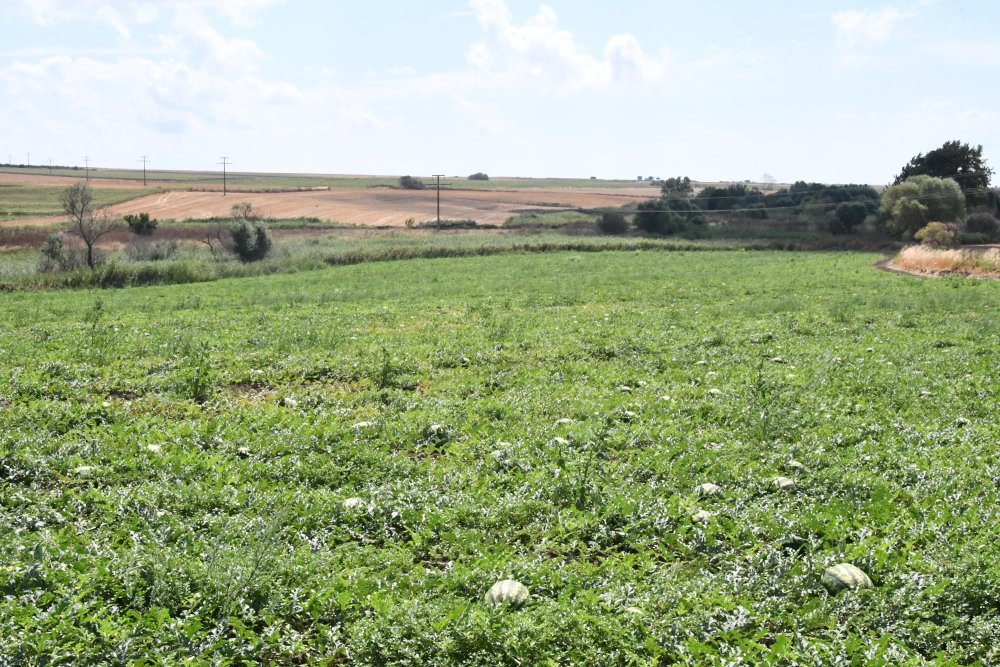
x: 833, y: 91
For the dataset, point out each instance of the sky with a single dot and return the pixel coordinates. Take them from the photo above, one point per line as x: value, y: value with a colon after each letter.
x: 836, y: 91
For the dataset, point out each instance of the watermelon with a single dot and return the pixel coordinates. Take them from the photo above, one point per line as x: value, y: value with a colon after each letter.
x: 509, y: 592
x: 783, y: 483
x: 708, y: 489
x: 845, y: 576
x: 353, y: 503
x: 701, y: 516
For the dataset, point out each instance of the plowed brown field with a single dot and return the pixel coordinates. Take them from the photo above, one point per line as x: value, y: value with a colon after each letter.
x: 364, y: 206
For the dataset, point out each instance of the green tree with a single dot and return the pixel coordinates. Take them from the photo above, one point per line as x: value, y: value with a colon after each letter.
x: 984, y: 225
x: 141, y: 224
x: 411, y: 183
x: 251, y: 240
x: 677, y: 186
x: 909, y: 206
x: 955, y: 160
x: 729, y: 197
x: 847, y: 216
x: 667, y: 216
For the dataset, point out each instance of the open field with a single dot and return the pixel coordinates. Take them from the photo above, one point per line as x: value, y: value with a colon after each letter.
x: 25, y: 204
x: 381, y: 206
x: 175, y: 461
x: 22, y: 197
x: 251, y: 180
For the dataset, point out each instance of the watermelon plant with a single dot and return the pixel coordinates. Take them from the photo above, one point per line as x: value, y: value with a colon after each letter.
x: 163, y: 501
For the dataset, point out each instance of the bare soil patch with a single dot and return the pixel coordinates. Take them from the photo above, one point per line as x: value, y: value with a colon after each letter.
x: 379, y: 207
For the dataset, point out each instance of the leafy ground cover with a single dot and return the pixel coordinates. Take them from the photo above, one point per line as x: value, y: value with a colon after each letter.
x: 175, y: 461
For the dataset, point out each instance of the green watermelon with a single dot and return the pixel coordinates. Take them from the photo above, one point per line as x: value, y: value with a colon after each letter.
x: 783, y: 483
x: 707, y: 489
x: 845, y: 575
x: 508, y: 591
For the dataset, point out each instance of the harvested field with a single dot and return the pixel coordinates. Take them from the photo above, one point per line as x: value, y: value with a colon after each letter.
x: 362, y: 206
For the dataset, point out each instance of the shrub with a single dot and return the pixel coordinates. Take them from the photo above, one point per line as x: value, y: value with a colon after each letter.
x: 756, y: 211
x: 448, y: 224
x: 141, y: 225
x: 152, y: 252
x: 847, y: 216
x: 667, y: 216
x: 410, y: 183
x: 937, y: 235
x: 243, y: 211
x: 55, y: 256
x: 613, y: 223
x: 251, y: 240
x: 479, y: 176
x: 983, y: 224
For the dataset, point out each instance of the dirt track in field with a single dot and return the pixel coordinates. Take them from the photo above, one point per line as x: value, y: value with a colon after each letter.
x: 363, y: 206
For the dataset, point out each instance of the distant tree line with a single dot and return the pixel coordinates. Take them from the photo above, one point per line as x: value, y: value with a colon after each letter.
x: 948, y: 188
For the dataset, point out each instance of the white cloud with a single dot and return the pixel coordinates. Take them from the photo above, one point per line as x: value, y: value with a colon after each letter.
x: 199, y: 42
x: 862, y: 28
x: 540, y: 50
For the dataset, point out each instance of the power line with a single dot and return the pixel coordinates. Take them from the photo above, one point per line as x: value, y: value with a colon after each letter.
x: 438, y: 177
x: 224, y: 163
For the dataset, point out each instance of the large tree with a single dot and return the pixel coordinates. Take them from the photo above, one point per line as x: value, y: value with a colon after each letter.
x: 677, y: 186
x: 954, y: 160
x: 85, y: 221
x: 920, y: 200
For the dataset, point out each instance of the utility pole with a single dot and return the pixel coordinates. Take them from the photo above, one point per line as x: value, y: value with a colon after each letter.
x: 29, y: 158
x: 50, y: 166
x: 224, y: 163
x: 144, y: 161
x: 86, y: 163
x: 438, y: 177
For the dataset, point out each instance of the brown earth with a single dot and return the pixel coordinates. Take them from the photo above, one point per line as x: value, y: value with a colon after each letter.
x: 361, y: 206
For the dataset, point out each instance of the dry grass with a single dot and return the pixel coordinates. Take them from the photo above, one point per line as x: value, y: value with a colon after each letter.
x: 930, y: 261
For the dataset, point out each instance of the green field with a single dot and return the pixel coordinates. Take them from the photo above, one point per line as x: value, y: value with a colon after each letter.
x: 174, y: 463
x: 33, y: 201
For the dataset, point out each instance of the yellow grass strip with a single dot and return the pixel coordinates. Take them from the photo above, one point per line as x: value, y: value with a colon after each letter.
x: 931, y: 261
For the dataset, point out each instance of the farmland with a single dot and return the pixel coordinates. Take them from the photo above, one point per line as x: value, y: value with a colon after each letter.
x: 175, y: 461
x: 32, y: 198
